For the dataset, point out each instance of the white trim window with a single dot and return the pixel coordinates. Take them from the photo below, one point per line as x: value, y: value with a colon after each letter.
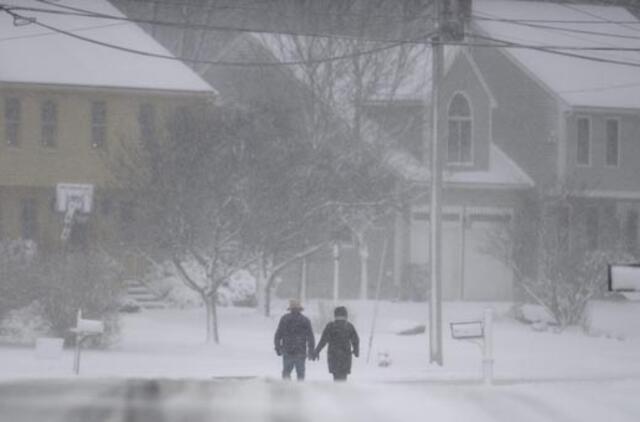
x: 459, y: 143
x: 613, y: 143
x: 49, y: 123
x: 583, y: 144
x: 98, y: 124
x: 12, y: 120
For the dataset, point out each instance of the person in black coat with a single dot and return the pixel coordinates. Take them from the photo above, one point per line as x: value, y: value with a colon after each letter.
x: 294, y: 341
x: 342, y: 338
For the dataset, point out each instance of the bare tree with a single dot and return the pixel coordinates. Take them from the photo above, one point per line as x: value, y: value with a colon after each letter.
x: 571, y: 252
x: 188, y: 199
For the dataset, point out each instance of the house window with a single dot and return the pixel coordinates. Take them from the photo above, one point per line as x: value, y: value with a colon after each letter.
x: 29, y: 219
x: 583, y: 152
x: 592, y: 228
x: 146, y: 122
x: 98, y: 124
x: 459, y: 148
x: 613, y: 143
x: 12, y: 118
x: 49, y: 118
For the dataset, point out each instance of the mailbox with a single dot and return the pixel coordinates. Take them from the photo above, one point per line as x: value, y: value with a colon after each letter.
x: 467, y: 330
x: 88, y: 326
x: 84, y: 329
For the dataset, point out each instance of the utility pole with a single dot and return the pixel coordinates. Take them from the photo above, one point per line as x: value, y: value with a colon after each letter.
x: 435, y: 205
x: 451, y: 17
x: 336, y: 272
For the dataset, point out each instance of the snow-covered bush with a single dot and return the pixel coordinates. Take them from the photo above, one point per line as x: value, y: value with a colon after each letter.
x: 238, y: 290
x: 166, y: 284
x: 86, y: 280
x: 17, y: 279
x: 45, y: 293
x: 24, y: 325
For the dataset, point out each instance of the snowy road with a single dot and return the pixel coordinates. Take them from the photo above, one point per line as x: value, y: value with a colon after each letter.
x: 264, y: 400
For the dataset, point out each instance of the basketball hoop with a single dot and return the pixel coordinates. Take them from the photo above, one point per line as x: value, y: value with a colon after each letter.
x: 74, y: 193
x: 76, y: 201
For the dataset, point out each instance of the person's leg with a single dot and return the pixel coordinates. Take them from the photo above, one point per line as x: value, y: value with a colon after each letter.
x: 339, y: 377
x: 287, y: 366
x: 300, y: 367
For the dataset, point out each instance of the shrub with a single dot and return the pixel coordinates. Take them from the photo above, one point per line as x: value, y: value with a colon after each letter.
x: 566, y: 287
x: 24, y: 325
x: 89, y: 281
x: 42, y: 295
x: 17, y: 278
x: 239, y: 290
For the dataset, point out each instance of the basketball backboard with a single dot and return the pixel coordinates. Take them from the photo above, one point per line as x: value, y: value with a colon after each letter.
x: 78, y: 195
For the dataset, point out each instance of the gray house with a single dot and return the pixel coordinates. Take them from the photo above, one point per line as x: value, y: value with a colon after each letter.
x: 522, y: 113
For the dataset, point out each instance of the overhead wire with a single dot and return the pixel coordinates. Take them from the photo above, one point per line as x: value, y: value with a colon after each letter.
x: 558, y: 28
x: 557, y: 50
x: 80, y: 12
x: 274, y: 63
x: 401, y: 17
x: 594, y: 15
x: 494, y: 42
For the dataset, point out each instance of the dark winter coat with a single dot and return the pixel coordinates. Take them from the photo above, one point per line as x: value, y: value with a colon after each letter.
x: 343, y: 340
x: 294, y: 335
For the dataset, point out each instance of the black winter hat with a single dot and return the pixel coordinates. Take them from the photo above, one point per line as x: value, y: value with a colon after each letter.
x: 340, y: 311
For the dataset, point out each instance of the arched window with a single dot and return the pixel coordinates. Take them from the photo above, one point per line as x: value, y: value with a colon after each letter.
x: 459, y: 150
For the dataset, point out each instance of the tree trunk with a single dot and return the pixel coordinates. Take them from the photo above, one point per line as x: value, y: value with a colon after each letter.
x: 302, y: 293
x: 212, y: 319
x: 264, y: 281
x: 209, y: 319
x: 363, y: 250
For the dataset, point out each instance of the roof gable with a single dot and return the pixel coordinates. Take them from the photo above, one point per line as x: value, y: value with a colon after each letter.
x: 35, y: 55
x: 576, y: 81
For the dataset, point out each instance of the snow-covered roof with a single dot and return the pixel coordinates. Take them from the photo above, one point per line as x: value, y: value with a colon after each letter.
x: 577, y: 81
x: 503, y: 172
x: 33, y: 54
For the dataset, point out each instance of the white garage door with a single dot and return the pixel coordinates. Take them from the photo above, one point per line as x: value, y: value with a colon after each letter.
x: 469, y: 270
x: 485, y: 276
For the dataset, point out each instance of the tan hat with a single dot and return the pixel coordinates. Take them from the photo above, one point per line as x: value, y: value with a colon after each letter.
x: 294, y: 304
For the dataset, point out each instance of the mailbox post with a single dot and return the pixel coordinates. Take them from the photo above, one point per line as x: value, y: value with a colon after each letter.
x: 84, y: 329
x: 478, y: 330
x: 487, y: 350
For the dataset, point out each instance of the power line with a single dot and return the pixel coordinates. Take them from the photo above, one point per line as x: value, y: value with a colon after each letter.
x: 593, y: 15
x: 562, y: 51
x: 48, y: 34
x: 600, y: 88
x: 214, y: 62
x: 489, y: 17
x: 91, y: 14
x: 401, y: 17
x: 80, y: 12
x: 558, y: 28
x: 558, y: 50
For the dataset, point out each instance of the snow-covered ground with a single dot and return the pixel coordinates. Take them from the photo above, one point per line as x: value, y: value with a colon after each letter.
x: 169, y: 343
x: 539, y: 375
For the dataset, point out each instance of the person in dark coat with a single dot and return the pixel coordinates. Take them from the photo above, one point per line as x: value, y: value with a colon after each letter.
x: 342, y: 338
x: 294, y: 341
